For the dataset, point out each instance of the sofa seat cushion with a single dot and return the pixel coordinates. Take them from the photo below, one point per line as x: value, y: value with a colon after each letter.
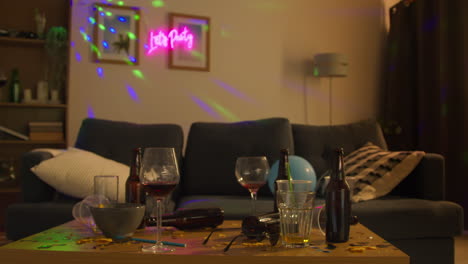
x: 405, y: 218
x: 212, y: 150
x: 235, y: 207
x: 25, y: 219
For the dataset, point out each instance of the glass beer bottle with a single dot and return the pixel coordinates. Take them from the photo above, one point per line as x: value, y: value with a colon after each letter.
x: 134, y: 190
x: 283, y: 172
x: 337, y: 201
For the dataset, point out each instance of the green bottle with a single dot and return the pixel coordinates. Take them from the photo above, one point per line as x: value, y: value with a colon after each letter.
x: 14, y: 86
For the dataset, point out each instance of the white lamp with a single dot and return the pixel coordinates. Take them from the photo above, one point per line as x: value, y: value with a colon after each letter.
x: 330, y: 65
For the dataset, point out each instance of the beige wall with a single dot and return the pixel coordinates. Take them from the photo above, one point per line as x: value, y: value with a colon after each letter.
x: 258, y: 48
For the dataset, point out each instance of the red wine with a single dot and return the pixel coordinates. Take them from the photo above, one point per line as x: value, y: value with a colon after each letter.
x: 252, y: 186
x: 161, y: 189
x: 338, y: 203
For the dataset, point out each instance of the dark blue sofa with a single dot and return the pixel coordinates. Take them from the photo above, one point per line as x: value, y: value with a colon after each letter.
x: 414, y: 217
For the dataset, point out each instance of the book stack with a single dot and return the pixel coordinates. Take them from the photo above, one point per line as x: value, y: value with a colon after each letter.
x: 50, y: 131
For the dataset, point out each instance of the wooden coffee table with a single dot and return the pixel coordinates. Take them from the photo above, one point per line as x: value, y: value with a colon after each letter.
x: 59, y: 245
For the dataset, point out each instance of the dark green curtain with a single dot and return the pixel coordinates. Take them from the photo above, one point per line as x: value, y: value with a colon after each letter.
x: 425, y: 95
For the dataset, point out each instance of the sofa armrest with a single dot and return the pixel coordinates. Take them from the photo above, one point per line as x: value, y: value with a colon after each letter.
x: 426, y: 181
x: 34, y: 189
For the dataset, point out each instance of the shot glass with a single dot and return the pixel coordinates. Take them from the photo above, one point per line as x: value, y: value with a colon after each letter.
x: 107, y: 186
x: 296, y: 205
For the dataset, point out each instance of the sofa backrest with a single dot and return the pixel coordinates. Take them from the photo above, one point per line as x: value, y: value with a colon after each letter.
x: 315, y: 142
x: 212, y: 150
x: 116, y: 139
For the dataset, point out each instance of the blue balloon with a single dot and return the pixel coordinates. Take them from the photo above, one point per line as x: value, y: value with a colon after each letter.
x: 300, y: 170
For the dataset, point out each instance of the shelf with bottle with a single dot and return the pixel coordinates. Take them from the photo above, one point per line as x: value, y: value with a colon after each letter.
x: 22, y: 41
x: 32, y: 105
x: 33, y: 142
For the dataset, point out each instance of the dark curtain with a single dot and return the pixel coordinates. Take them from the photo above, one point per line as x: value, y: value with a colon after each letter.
x: 425, y: 93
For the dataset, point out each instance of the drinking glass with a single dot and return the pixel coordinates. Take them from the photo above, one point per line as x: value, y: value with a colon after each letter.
x: 159, y: 174
x: 251, y: 173
x: 107, y: 186
x: 295, y: 204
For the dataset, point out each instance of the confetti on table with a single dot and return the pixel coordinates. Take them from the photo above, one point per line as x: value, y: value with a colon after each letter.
x: 357, y: 249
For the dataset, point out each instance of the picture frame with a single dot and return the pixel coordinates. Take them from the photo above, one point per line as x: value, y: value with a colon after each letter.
x: 198, y: 57
x: 116, y: 34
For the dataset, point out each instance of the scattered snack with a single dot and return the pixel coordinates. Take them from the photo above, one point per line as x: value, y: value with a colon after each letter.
x: 356, y: 249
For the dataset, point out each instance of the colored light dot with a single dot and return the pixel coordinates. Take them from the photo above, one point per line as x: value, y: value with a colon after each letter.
x: 205, y: 27
x: 100, y: 72
x: 102, y: 14
x: 78, y: 56
x: 105, y: 44
x: 146, y: 46
x: 112, y: 30
x: 136, y: 17
x: 92, y: 20
x: 102, y: 27
x: 87, y: 38
x: 158, y: 3
x: 122, y: 19
x: 131, y: 35
x: 100, y: 8
x: 120, y: 3
x: 138, y: 74
x: 90, y: 112
x: 132, y: 59
x: 108, y: 13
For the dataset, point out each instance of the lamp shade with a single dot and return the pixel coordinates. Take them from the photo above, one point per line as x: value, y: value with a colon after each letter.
x: 330, y: 65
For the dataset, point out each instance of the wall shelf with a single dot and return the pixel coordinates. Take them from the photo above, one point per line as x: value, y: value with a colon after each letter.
x: 22, y: 41
x: 32, y: 142
x: 32, y: 105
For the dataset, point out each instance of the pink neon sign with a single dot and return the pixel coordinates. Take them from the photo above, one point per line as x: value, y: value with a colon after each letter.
x: 162, y: 40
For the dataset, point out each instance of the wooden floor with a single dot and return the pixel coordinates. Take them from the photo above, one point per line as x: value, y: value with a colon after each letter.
x: 461, y: 247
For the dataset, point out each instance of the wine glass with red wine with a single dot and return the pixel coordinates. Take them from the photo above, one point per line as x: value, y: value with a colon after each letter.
x: 159, y: 174
x: 251, y: 173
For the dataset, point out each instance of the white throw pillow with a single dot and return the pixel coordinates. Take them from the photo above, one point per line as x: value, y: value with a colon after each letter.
x: 72, y: 172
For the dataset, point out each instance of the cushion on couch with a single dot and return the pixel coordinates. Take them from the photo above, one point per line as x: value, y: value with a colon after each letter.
x: 115, y: 140
x: 72, y: 172
x: 212, y: 150
x: 314, y: 142
x: 376, y: 172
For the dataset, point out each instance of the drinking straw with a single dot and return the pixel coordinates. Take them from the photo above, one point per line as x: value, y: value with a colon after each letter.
x: 167, y: 243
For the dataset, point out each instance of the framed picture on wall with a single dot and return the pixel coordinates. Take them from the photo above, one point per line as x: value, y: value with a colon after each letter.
x: 116, y: 34
x: 194, y: 53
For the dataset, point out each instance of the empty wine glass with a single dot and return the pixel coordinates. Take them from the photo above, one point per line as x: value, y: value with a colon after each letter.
x: 159, y: 174
x: 251, y: 173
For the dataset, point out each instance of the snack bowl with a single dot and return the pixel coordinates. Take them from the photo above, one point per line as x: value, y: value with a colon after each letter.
x: 119, y: 220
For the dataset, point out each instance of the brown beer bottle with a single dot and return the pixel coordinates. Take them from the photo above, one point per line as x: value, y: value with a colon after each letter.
x: 283, y: 172
x: 337, y: 202
x: 134, y: 190
x: 191, y: 218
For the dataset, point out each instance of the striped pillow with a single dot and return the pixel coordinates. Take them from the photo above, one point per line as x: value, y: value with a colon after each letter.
x: 376, y: 172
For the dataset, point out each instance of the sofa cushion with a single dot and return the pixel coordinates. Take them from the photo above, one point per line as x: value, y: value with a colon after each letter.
x: 404, y: 218
x: 375, y: 172
x: 235, y: 207
x: 314, y: 142
x: 72, y: 172
x: 212, y: 150
x: 25, y: 219
x: 115, y: 140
